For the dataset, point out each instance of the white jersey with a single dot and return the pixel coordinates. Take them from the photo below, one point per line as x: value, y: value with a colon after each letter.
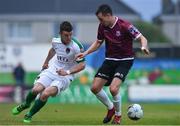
x: 65, y: 55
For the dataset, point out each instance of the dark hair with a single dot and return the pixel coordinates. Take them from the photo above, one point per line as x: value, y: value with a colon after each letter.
x: 104, y: 9
x: 66, y: 26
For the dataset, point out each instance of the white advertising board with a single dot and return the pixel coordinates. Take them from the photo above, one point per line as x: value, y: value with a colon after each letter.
x: 31, y: 56
x: 154, y: 93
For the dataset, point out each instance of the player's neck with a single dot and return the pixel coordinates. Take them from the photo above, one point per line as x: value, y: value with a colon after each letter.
x: 113, y: 20
x: 66, y: 43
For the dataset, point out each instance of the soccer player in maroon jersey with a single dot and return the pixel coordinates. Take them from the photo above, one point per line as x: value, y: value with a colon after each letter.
x: 118, y: 36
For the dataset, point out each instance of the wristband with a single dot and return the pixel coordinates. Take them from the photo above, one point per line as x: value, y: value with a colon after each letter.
x: 68, y: 72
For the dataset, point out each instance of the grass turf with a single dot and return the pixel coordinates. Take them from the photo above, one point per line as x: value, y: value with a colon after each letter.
x: 92, y: 114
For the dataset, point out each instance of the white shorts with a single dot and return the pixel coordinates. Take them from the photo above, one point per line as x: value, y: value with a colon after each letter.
x: 48, y: 79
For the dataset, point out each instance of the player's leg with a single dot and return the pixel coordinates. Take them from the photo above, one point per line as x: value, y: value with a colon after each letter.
x: 40, y: 102
x: 97, y: 89
x: 29, y: 98
x: 41, y: 84
x: 121, y: 72
x: 114, y: 89
x: 55, y: 88
x: 38, y: 88
x: 101, y: 78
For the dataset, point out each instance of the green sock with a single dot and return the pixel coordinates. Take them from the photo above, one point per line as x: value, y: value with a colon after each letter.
x: 29, y: 98
x: 38, y: 104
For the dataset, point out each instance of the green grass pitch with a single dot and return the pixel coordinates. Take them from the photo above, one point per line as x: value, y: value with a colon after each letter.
x: 92, y: 114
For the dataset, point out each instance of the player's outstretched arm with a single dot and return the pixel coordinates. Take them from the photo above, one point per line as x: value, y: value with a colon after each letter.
x: 144, y: 45
x: 91, y: 49
x: 51, y: 53
x: 77, y: 68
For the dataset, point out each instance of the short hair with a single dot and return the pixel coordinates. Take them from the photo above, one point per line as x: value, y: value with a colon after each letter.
x: 66, y: 26
x: 104, y: 9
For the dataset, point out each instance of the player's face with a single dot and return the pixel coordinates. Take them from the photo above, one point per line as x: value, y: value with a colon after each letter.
x: 66, y: 37
x: 104, y: 19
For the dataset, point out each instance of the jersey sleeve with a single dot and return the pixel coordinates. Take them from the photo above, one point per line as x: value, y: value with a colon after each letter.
x: 54, y: 42
x: 133, y: 31
x: 78, y: 43
x: 78, y: 49
x: 100, y: 34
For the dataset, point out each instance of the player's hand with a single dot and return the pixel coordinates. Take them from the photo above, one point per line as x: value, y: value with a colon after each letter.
x: 45, y: 66
x: 62, y: 72
x: 80, y: 55
x: 145, y: 50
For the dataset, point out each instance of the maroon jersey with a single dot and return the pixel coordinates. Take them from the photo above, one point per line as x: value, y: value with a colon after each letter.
x: 118, y: 39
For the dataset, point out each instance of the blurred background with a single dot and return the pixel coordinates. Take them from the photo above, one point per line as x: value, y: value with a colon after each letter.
x: 27, y: 27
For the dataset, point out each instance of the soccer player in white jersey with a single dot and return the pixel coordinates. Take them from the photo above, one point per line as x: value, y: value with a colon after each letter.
x: 55, y: 77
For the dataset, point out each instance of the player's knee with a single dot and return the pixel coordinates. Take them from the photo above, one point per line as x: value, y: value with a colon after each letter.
x: 35, y: 90
x: 114, y: 90
x: 54, y: 93
x: 92, y: 90
x: 44, y: 96
x: 95, y: 89
x: 38, y: 88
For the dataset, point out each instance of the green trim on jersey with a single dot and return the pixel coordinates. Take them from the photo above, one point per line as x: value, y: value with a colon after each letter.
x: 81, y: 60
x: 74, y: 40
x: 81, y: 48
x: 78, y: 43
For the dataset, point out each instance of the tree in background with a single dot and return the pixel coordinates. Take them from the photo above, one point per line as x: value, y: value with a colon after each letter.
x: 152, y: 32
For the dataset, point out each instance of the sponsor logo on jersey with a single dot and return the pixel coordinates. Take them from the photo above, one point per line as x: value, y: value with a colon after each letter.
x: 62, y: 59
x: 103, y: 75
x: 119, y: 75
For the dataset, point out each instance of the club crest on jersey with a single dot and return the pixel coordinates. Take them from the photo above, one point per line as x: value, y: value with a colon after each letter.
x: 118, y: 33
x: 67, y: 50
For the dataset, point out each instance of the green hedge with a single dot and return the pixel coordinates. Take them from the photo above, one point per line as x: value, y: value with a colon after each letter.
x: 7, y: 78
x: 152, y: 32
x: 168, y: 77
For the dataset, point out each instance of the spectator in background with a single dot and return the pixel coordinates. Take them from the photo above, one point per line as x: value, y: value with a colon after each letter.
x: 154, y: 75
x: 19, y: 77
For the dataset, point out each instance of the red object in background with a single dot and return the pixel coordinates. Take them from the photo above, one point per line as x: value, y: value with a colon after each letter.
x: 7, y: 93
x: 154, y: 75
